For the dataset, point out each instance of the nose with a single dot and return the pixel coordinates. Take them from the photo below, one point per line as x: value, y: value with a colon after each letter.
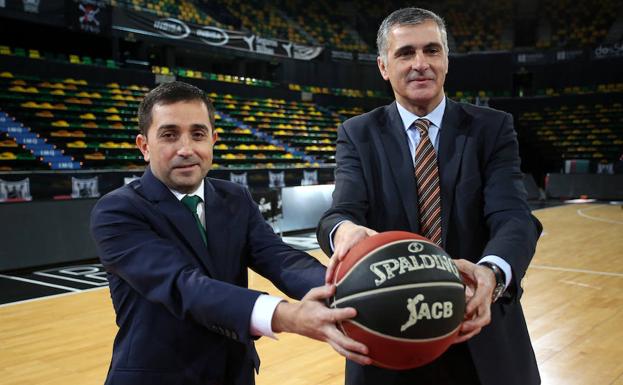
x: 185, y: 148
x: 419, y: 63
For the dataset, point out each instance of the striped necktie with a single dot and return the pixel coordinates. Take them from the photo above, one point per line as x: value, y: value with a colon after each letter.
x: 192, y: 201
x: 427, y: 182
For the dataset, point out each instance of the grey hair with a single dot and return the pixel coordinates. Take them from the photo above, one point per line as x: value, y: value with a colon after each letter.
x: 408, y: 16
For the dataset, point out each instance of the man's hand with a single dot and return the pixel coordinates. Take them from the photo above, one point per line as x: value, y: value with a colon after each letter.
x: 480, y: 282
x: 346, y: 236
x: 311, y: 318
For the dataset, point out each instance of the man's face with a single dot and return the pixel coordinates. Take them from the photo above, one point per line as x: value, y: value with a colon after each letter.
x: 416, y: 66
x: 179, y: 144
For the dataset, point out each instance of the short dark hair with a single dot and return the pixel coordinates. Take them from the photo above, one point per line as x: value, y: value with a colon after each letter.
x: 169, y: 93
x: 408, y: 16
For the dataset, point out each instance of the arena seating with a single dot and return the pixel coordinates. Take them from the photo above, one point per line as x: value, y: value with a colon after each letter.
x: 190, y: 73
x: 577, y: 24
x: 301, y: 125
x: 94, y: 125
x: 263, y: 19
x: 575, y: 131
x: 319, y: 19
x: 479, y: 25
x: 14, y: 157
x: 35, y: 54
x: 184, y: 10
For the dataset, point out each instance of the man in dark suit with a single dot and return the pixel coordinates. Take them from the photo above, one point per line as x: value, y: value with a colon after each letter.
x: 465, y: 193
x: 176, y: 246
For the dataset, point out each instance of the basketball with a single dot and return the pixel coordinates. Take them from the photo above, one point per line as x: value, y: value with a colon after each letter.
x: 408, y: 295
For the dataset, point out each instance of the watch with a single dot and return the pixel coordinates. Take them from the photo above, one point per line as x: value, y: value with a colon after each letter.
x: 500, y: 280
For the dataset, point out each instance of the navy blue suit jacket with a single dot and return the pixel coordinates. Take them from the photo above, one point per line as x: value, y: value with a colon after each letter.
x: 483, y: 204
x: 183, y: 309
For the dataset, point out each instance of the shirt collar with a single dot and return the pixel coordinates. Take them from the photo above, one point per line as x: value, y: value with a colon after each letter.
x: 435, y: 116
x: 198, y: 192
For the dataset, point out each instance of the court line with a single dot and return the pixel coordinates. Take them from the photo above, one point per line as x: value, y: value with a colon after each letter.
x: 544, y: 267
x: 580, y: 284
x: 39, y: 282
x: 50, y: 296
x: 71, y: 279
x: 581, y: 213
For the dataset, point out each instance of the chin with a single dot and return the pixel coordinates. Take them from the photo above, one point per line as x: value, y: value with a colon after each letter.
x: 423, y: 96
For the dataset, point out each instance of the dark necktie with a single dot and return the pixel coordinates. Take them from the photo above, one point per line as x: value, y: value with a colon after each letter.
x: 427, y: 181
x: 192, y: 201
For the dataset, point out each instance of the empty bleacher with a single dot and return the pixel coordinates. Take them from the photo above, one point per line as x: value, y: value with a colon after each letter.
x: 575, y: 131
x: 93, y: 126
x: 90, y: 126
x: 576, y: 24
x: 302, y: 126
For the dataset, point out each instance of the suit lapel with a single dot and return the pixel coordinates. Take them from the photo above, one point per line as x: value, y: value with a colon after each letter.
x: 395, y: 143
x: 179, y: 216
x: 451, y: 144
x: 217, y: 222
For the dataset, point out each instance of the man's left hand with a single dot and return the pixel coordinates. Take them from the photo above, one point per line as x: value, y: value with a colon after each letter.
x: 480, y: 282
x: 312, y: 318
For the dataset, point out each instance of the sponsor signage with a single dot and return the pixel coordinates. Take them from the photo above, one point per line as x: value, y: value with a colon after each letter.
x: 15, y: 190
x: 605, y: 51
x: 31, y: 6
x: 341, y: 55
x: 169, y: 28
x: 212, y: 36
x: 569, y: 55
x: 172, y: 28
x: 531, y: 58
x: 371, y: 57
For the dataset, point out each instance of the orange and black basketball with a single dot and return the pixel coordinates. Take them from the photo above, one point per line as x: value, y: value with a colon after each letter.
x: 409, y: 298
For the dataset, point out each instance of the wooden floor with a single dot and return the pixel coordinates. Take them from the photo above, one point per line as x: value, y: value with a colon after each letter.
x: 573, y: 302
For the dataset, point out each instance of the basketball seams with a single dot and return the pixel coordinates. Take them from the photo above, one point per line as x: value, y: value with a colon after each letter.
x: 398, y: 339
x: 353, y: 267
x: 395, y: 288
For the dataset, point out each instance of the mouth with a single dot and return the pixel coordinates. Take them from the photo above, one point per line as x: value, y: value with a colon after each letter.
x: 185, y: 167
x: 420, y: 80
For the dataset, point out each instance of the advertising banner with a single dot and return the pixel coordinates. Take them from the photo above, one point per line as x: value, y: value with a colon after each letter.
x: 169, y: 28
x: 91, y: 16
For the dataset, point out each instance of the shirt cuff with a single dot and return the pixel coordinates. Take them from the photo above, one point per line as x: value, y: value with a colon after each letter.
x: 262, y: 315
x: 502, y: 264
x: 332, y: 232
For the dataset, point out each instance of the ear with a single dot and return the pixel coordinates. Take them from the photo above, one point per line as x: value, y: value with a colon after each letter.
x: 141, y: 143
x: 214, y: 136
x: 382, y: 68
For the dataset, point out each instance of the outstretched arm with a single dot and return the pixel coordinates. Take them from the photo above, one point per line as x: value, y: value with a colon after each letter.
x: 311, y: 318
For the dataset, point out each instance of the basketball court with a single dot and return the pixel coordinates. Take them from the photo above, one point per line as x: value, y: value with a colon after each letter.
x: 63, y: 332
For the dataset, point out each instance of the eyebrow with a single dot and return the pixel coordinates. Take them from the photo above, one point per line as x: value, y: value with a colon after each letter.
x: 408, y: 47
x: 172, y: 126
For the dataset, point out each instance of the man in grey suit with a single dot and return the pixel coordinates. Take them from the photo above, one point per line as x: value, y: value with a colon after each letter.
x: 466, y: 194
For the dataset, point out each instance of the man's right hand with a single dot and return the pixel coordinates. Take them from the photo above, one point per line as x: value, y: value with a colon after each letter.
x: 346, y: 236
